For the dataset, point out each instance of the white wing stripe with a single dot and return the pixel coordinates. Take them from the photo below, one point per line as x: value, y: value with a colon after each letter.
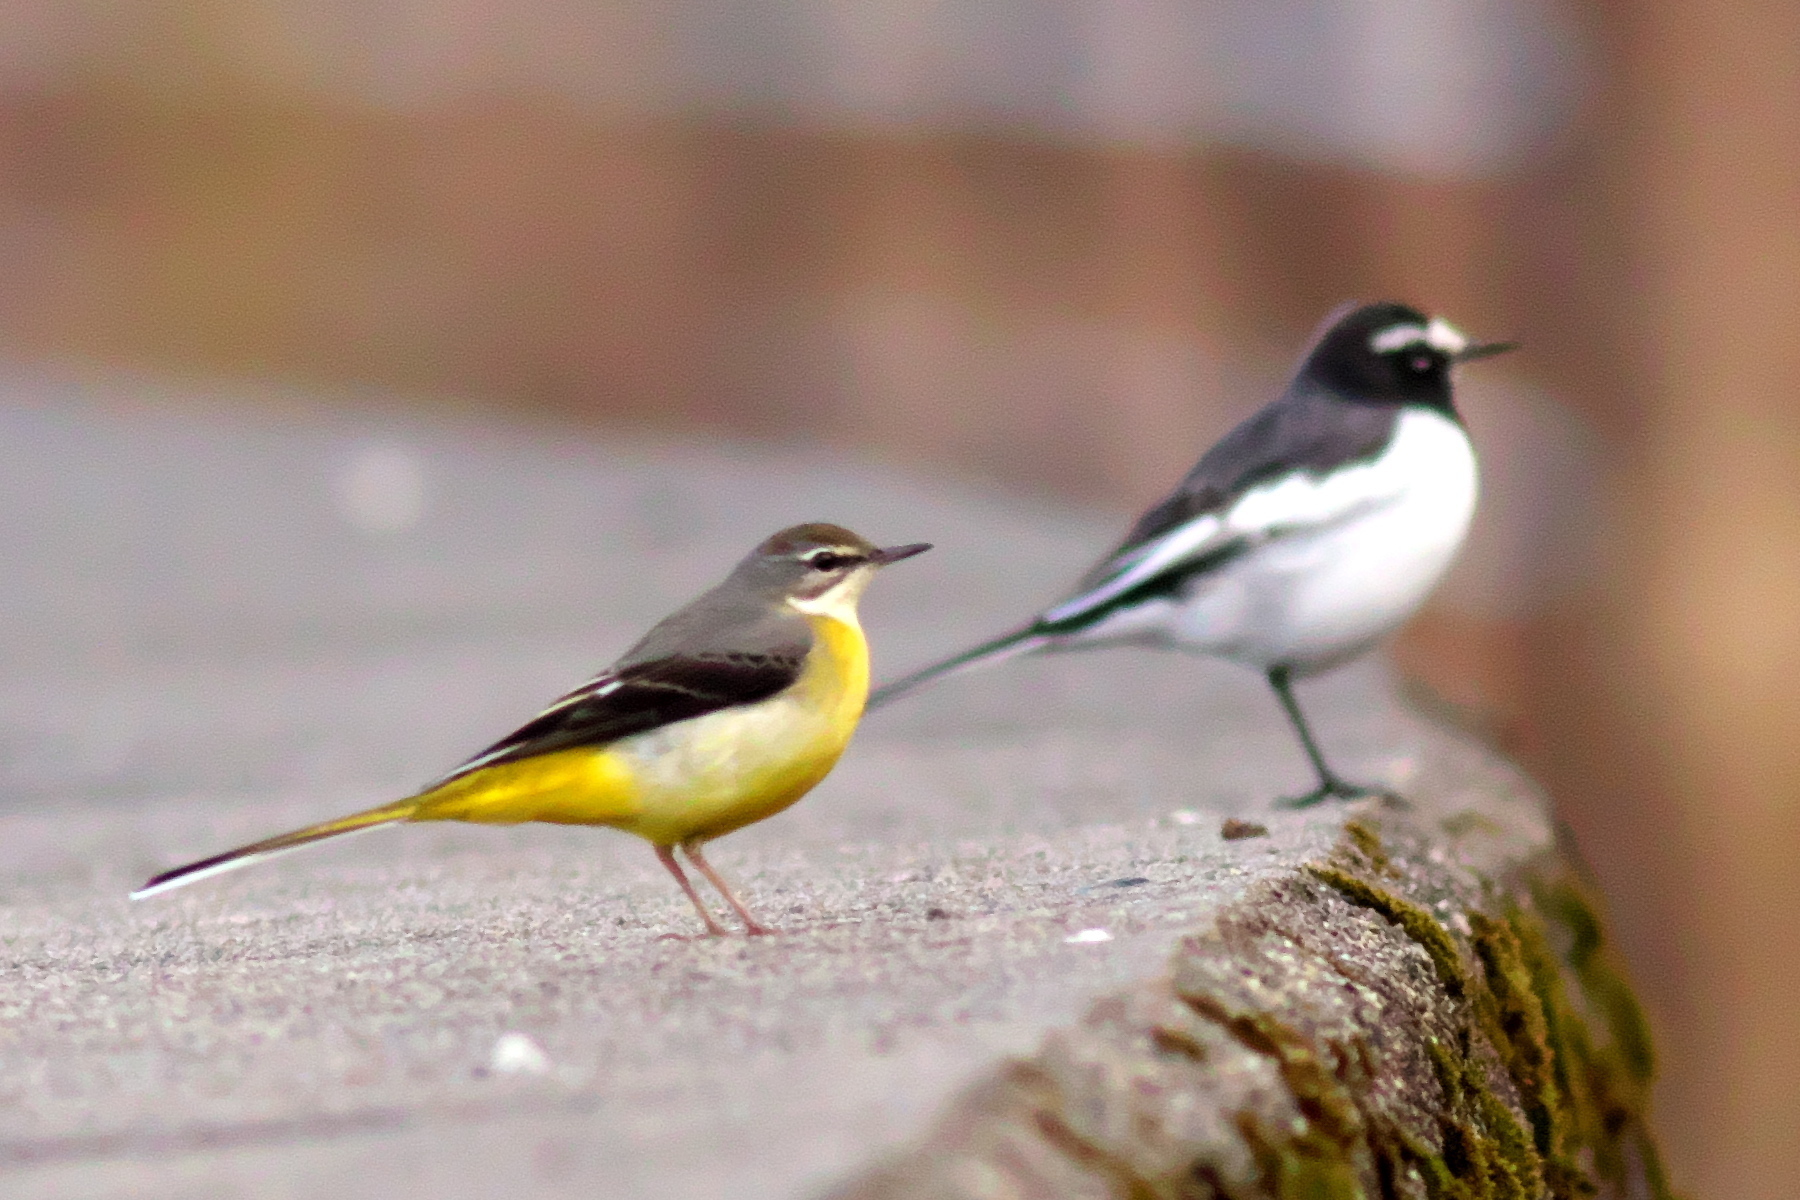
x: 600, y: 685
x: 1292, y: 504
x: 1184, y: 541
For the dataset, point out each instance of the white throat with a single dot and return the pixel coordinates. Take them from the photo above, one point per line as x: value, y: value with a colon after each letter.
x: 837, y: 602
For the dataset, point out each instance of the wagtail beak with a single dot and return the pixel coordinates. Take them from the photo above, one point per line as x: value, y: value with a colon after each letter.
x: 893, y: 554
x: 1484, y: 350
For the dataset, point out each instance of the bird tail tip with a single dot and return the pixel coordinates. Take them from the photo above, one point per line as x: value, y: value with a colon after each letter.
x: 244, y: 856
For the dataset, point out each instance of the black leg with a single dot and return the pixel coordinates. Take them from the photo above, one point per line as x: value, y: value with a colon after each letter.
x: 1331, y: 785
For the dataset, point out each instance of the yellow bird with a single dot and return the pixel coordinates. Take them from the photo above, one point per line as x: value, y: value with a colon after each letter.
x: 727, y: 712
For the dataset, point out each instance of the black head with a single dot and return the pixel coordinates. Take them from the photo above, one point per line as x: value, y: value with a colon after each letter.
x: 1391, y: 354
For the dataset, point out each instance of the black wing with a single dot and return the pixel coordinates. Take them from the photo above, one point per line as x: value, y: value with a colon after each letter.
x: 642, y: 696
x: 1188, y: 535
x: 1299, y: 432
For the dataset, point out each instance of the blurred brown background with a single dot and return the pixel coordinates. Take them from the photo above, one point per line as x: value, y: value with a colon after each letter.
x: 1058, y: 247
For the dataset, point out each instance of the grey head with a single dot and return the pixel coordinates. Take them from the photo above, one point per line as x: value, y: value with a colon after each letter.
x: 1389, y: 354
x: 760, y: 609
x: 806, y: 563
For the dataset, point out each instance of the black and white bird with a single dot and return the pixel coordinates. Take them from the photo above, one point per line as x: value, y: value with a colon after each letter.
x: 1302, y: 538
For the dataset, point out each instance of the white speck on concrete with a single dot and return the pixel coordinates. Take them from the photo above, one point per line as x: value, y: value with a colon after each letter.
x: 1087, y: 936
x: 517, y: 1054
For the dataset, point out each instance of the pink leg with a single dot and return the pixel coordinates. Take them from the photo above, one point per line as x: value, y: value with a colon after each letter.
x: 666, y: 856
x: 750, y: 923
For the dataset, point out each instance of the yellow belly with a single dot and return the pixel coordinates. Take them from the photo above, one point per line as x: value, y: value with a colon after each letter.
x: 694, y: 779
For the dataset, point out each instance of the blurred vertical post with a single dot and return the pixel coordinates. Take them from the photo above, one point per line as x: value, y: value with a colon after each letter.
x: 1707, y: 612
x: 1160, y: 290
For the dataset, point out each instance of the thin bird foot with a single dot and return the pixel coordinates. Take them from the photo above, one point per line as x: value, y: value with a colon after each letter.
x: 666, y: 856
x: 1338, y: 789
x: 752, y: 926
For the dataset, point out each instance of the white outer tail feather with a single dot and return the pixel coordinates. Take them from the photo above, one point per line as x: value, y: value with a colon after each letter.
x: 241, y: 861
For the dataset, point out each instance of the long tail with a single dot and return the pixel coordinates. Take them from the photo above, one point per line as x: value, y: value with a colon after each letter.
x: 256, y: 852
x: 1020, y: 641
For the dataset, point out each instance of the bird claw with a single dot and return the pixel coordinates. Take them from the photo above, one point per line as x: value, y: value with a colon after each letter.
x: 1339, y: 789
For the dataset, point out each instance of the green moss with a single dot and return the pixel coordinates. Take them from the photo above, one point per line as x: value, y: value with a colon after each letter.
x: 1319, y: 1160
x: 1515, y: 1170
x: 1486, y: 1149
x: 1584, y: 1089
x: 1563, y: 1026
x: 1604, y: 1069
x: 1519, y: 1030
x: 1602, y: 979
x: 1368, y: 841
x: 1402, y: 1149
x: 1306, y: 1166
x: 1321, y: 1097
x: 1419, y: 925
x: 1567, y: 1042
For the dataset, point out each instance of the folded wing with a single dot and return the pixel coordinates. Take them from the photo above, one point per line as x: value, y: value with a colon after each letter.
x: 1279, y: 473
x: 642, y: 696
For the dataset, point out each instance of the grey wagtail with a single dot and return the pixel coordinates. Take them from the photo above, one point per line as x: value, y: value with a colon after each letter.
x: 725, y: 713
x: 1307, y: 534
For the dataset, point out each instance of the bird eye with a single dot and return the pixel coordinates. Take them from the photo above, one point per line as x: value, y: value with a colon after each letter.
x: 825, y: 560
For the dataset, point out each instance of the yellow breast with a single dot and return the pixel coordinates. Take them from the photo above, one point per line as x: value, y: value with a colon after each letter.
x: 694, y: 779
x: 728, y: 769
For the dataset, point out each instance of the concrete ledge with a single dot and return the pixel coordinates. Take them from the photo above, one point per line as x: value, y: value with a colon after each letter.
x: 210, y: 642
x: 1429, y: 1009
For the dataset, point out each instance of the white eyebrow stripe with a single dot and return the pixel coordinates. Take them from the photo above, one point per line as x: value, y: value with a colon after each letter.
x: 1445, y: 336
x: 1397, y: 337
x: 1438, y: 333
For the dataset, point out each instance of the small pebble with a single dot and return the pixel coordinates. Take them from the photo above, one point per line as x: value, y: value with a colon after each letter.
x: 1235, y: 830
x: 1130, y: 881
x: 1185, y: 816
x: 1087, y: 936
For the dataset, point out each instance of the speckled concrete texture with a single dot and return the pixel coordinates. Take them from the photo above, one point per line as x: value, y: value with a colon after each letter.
x: 1289, y: 1047
x: 219, y: 627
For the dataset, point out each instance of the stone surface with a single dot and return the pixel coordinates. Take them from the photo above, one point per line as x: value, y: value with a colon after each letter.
x: 220, y: 627
x: 1427, y: 1010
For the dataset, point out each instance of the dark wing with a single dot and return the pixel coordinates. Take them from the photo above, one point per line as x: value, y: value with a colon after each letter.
x: 1300, y: 432
x: 1191, y: 532
x: 641, y: 696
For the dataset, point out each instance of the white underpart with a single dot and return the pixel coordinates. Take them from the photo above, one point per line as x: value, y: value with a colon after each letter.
x: 237, y: 864
x: 1437, y: 333
x: 1335, y: 563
